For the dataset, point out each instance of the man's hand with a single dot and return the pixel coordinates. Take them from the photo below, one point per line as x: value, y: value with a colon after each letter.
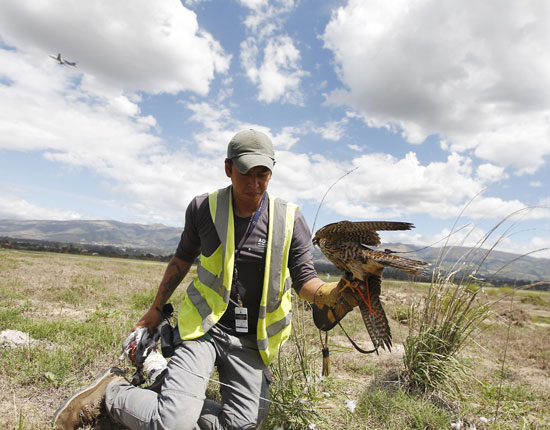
x: 150, y: 320
x: 333, y: 301
x: 144, y: 327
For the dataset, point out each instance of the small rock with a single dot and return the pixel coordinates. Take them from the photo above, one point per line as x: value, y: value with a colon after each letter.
x: 351, y: 405
x: 15, y: 339
x: 457, y: 425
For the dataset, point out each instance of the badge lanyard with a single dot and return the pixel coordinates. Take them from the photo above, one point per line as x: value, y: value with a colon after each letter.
x: 241, y: 313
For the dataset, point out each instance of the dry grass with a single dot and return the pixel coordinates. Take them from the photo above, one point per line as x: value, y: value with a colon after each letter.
x: 85, y: 306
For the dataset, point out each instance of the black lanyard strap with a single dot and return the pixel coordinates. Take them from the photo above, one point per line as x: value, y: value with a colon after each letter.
x: 251, y: 225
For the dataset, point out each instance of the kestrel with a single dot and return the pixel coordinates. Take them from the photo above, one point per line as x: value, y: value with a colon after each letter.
x: 346, y: 245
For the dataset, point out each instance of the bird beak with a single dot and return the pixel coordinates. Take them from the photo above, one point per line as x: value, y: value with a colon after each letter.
x: 315, y: 241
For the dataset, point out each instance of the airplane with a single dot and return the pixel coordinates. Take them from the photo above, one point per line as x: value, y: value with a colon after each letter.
x: 62, y: 61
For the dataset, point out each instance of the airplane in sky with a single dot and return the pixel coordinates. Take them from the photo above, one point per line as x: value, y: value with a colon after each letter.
x: 62, y: 61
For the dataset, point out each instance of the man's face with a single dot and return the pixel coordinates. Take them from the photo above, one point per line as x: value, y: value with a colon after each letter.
x: 248, y: 187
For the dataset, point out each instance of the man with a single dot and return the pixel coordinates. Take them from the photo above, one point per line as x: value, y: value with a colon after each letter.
x: 236, y: 313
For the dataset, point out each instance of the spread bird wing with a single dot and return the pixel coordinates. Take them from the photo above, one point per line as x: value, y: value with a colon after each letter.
x: 376, y: 260
x: 364, y: 232
x: 373, y: 314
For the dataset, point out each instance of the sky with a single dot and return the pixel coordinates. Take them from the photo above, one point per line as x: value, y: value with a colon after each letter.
x: 435, y: 112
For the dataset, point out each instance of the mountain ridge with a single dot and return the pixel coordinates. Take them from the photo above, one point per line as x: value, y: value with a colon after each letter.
x: 156, y: 238
x: 162, y: 240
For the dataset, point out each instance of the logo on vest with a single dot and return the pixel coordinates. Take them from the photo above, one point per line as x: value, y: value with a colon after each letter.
x: 262, y: 243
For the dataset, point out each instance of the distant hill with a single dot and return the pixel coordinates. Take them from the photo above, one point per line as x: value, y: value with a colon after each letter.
x: 160, y: 240
x: 153, y: 238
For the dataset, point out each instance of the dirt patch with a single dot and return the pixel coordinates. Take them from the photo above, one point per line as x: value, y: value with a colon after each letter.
x: 516, y: 316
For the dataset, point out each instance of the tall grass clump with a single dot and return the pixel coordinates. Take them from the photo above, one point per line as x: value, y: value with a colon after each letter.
x: 438, y: 329
x: 448, y: 316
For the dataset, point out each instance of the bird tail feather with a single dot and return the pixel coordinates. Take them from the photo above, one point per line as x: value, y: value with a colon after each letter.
x: 375, y: 318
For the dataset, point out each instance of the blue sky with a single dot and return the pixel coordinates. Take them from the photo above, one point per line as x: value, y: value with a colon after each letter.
x: 441, y: 107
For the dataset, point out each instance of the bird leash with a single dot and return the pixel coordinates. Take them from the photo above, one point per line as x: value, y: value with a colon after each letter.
x: 325, y: 371
x: 326, y: 351
x: 371, y: 315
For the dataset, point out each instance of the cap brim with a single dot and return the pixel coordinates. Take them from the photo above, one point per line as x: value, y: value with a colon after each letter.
x: 247, y: 161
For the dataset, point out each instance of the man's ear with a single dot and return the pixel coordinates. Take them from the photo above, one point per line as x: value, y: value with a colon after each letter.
x: 228, y: 167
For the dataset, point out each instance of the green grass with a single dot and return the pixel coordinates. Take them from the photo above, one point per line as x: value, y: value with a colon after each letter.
x: 142, y: 300
x: 396, y: 409
x: 9, y: 292
x: 541, y: 319
x: 534, y: 299
x: 513, y: 405
x: 61, y: 348
x: 7, y: 263
x: 360, y: 368
x: 401, y: 314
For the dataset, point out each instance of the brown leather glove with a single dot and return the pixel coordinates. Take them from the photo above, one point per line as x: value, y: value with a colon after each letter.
x: 333, y: 301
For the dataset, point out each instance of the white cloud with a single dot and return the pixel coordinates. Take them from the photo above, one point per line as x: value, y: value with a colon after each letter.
x: 535, y: 184
x: 216, y: 123
x: 286, y: 139
x: 193, y: 3
x: 140, y: 45
x: 268, y: 56
x: 13, y: 207
x: 266, y: 17
x: 387, y: 187
x: 254, y: 4
x: 332, y: 130
x: 455, y: 69
x: 490, y: 173
x: 278, y: 77
x: 539, y: 243
x: 123, y: 106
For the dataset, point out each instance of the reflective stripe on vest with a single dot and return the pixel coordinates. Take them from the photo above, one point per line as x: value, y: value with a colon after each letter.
x: 208, y: 295
x: 275, y: 313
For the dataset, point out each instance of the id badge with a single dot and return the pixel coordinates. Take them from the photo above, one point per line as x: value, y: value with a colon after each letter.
x: 241, y: 320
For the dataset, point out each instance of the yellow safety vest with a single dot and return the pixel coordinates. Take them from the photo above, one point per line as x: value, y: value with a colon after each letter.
x: 208, y: 295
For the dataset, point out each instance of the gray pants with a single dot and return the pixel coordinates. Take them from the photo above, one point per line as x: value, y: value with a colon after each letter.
x: 182, y: 403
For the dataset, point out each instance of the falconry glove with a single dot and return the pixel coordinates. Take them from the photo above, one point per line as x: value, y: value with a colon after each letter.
x: 332, y: 301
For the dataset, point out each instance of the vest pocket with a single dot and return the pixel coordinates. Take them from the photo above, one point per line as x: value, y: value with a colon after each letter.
x: 213, y: 263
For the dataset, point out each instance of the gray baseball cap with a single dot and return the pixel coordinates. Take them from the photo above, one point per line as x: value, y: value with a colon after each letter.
x: 251, y: 148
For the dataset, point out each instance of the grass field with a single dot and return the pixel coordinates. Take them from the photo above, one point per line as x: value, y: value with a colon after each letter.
x: 78, y: 309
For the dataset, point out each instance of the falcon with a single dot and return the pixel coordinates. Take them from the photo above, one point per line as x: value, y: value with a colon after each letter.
x: 346, y: 245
